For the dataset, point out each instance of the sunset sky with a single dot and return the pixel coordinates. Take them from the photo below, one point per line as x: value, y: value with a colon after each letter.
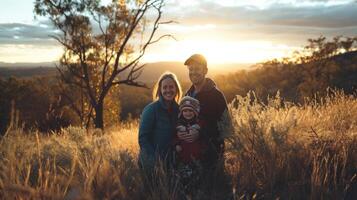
x: 225, y: 31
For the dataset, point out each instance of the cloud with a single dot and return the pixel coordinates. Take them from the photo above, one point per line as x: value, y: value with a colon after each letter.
x: 266, y: 4
x: 340, y: 16
x: 280, y: 22
x: 21, y: 42
x: 320, y: 15
x: 27, y: 34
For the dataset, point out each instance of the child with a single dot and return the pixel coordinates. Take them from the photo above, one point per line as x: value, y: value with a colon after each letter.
x: 189, y: 154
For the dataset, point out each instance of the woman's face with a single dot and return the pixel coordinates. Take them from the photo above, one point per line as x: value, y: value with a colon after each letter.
x: 168, y: 89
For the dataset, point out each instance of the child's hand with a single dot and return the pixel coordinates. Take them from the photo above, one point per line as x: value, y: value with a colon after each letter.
x: 193, y: 133
x: 178, y: 148
x: 181, y: 129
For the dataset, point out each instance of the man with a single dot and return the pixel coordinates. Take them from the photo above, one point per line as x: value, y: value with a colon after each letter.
x: 213, y: 108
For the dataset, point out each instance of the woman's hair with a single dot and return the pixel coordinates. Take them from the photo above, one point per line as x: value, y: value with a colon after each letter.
x: 156, y: 93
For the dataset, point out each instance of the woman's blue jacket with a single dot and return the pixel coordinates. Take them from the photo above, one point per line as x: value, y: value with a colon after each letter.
x: 156, y: 131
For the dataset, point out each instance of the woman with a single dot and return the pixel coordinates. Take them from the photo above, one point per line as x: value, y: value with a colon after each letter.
x: 158, y: 121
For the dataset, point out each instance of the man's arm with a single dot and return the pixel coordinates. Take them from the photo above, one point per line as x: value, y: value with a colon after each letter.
x: 224, y: 121
x: 221, y: 105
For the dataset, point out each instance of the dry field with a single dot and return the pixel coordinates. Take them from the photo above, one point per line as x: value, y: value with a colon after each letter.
x: 278, y: 151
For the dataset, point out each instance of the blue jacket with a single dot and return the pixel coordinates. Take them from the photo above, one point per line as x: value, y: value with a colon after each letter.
x: 156, y: 131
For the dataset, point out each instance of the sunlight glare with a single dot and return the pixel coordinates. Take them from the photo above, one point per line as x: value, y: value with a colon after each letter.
x: 220, y: 52
x: 29, y: 53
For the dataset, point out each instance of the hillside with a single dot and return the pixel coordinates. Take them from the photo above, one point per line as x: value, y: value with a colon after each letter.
x: 150, y: 73
x: 26, y: 72
x: 27, y: 65
x: 295, y: 82
x: 277, y: 151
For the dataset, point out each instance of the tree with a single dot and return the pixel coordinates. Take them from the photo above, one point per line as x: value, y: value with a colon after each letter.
x: 32, y: 103
x: 103, y: 44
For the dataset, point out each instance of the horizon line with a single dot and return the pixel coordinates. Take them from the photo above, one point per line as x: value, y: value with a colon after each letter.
x: 159, y: 61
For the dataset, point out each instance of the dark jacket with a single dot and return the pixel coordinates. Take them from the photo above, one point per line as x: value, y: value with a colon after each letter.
x: 156, y: 131
x: 213, y: 105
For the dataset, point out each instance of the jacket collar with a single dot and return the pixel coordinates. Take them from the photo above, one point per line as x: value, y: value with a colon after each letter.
x: 164, y: 106
x: 209, y: 85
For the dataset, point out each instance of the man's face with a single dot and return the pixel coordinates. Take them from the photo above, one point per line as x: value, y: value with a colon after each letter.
x: 197, y: 73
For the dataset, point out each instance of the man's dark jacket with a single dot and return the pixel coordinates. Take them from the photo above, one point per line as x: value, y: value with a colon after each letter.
x: 212, y: 105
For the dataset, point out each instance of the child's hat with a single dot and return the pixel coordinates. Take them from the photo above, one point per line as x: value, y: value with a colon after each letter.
x: 188, y: 102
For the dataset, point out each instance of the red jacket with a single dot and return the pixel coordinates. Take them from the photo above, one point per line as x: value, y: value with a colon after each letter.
x: 191, y: 151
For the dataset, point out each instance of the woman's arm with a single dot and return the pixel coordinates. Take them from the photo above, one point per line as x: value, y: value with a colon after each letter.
x: 146, y: 128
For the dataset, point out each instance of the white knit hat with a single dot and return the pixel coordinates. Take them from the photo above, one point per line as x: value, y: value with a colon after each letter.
x: 188, y: 102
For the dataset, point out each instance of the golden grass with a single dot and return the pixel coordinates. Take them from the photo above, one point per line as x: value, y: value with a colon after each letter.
x: 278, y: 150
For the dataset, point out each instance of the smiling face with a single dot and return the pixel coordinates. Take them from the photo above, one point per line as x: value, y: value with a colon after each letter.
x: 188, y: 114
x: 168, y: 89
x: 197, y: 73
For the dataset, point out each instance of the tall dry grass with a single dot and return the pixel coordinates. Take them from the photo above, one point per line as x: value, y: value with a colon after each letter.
x: 281, y: 150
x: 278, y: 150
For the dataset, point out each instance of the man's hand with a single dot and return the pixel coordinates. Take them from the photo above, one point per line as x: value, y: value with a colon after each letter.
x: 190, y: 136
x: 178, y: 148
x: 194, y: 134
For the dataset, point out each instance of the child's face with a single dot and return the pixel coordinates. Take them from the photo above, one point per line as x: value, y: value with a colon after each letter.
x: 188, y: 114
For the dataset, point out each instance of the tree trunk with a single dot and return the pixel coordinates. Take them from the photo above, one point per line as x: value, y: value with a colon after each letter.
x: 98, y: 120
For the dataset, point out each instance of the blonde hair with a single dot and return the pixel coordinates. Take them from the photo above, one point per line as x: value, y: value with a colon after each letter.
x: 156, y: 93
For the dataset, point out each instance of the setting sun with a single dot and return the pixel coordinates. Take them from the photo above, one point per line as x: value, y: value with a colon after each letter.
x: 220, y: 51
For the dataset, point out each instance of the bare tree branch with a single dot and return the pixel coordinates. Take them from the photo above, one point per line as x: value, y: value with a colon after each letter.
x: 168, y: 22
x: 161, y: 37
x: 131, y: 83
x: 148, y: 42
x: 93, y: 60
x: 140, y: 13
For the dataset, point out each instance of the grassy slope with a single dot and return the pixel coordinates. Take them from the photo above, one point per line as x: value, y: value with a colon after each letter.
x: 277, y: 150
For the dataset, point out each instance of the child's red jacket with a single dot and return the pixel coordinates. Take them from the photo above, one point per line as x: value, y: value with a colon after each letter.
x: 191, y: 151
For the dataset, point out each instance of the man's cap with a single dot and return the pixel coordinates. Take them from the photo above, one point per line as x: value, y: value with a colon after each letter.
x: 196, y: 58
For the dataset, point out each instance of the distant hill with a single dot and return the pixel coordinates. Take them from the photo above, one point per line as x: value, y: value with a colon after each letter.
x: 26, y: 72
x: 294, y: 81
x: 150, y: 73
x: 27, y: 65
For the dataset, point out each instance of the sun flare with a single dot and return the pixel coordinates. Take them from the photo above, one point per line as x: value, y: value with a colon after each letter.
x: 219, y: 52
